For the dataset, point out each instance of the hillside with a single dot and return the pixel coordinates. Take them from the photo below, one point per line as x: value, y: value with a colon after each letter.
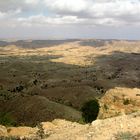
x: 57, y: 80
x: 126, y: 127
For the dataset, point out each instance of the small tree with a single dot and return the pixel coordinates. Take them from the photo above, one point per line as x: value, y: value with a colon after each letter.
x: 90, y: 110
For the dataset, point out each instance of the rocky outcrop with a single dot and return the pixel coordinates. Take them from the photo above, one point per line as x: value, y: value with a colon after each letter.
x: 107, y: 129
x: 119, y: 101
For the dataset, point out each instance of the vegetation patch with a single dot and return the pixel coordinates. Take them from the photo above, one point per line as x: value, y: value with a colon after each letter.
x: 6, y: 119
x: 126, y: 101
x: 126, y: 136
x: 90, y: 110
x: 9, y: 138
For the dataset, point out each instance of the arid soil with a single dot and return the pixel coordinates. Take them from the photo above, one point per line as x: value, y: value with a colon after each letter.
x: 44, y: 83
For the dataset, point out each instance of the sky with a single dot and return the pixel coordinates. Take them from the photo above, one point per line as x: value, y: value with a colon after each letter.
x: 57, y: 19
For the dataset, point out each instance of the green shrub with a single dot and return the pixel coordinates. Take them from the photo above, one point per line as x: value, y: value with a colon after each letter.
x: 106, y: 107
x: 125, y: 136
x: 9, y: 138
x: 6, y: 119
x: 126, y: 101
x: 81, y: 121
x: 90, y: 110
x: 17, y: 138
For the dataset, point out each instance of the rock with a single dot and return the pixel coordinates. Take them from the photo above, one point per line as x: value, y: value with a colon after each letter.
x: 27, y: 132
x: 3, y: 131
x: 65, y: 130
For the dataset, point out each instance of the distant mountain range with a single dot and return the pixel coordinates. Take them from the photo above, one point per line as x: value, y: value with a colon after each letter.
x: 50, y: 43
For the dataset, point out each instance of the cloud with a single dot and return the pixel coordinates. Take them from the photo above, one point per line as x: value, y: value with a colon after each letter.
x: 40, y: 20
x: 113, y: 10
x: 9, y: 14
x: 2, y: 15
x: 94, y: 7
x: 75, y: 13
x: 34, y: 2
x: 66, y: 5
x: 10, y: 5
x: 94, y: 12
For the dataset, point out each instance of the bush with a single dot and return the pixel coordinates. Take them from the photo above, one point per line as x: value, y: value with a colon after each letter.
x: 9, y: 138
x: 90, y: 110
x: 126, y: 136
x: 19, y: 88
x: 6, y: 119
x: 126, y: 101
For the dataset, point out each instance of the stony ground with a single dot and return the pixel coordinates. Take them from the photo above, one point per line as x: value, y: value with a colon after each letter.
x: 125, y: 127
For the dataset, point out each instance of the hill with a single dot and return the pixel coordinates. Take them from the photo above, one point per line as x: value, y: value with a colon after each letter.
x: 57, y: 81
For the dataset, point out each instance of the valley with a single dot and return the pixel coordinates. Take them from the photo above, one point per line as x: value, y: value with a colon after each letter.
x: 54, y: 81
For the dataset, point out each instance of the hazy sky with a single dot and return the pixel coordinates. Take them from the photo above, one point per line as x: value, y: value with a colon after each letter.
x: 43, y: 19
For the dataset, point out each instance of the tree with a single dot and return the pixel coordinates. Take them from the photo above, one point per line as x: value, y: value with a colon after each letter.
x: 90, y: 110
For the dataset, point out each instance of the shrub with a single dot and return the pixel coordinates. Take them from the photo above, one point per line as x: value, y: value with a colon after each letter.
x: 19, y: 88
x: 35, y: 82
x: 17, y: 138
x: 6, y: 119
x: 125, y: 136
x: 90, y: 110
x: 126, y: 101
x: 106, y: 107
x: 9, y: 138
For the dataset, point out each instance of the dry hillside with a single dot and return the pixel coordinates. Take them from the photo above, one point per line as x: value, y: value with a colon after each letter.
x: 42, y: 82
